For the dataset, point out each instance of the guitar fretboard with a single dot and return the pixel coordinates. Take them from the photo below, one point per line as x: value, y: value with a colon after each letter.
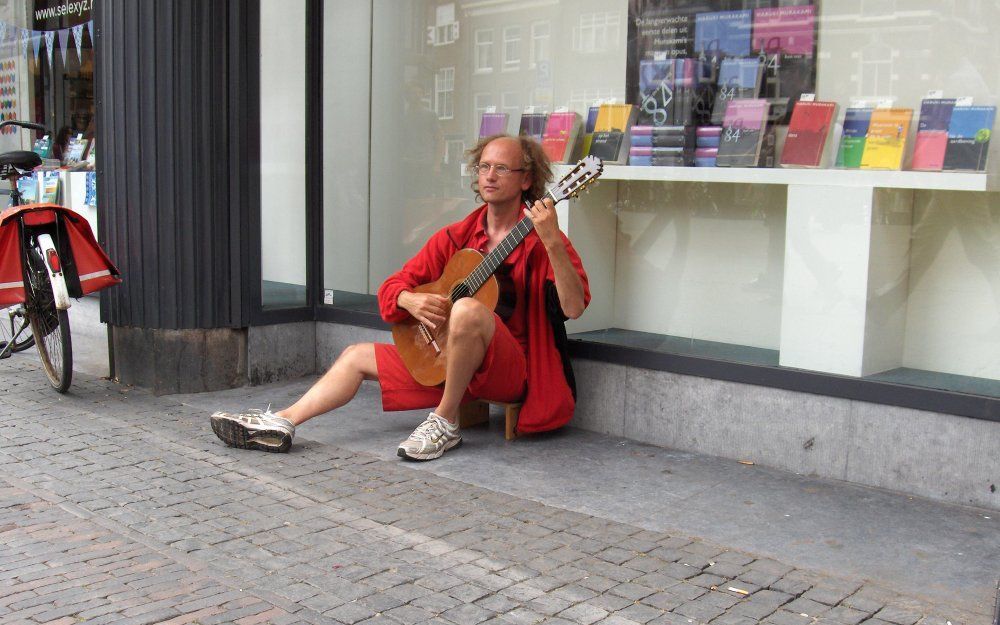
x: 485, y: 269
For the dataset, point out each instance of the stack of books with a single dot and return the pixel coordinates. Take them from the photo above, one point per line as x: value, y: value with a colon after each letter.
x: 932, y: 134
x: 492, y: 124
x: 852, y: 141
x: 533, y: 125
x: 707, y: 145
x: 969, y: 138
x: 808, y: 130
x: 560, y: 136
x: 885, y: 144
x: 611, y: 131
x: 746, y: 140
x: 662, y: 146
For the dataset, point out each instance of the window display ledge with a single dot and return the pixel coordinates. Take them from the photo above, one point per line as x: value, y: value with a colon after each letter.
x: 945, y: 181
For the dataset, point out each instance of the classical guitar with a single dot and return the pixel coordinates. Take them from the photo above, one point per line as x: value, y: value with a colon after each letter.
x: 470, y: 274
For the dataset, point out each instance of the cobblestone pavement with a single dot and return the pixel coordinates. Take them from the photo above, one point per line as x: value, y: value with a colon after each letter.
x: 120, y: 507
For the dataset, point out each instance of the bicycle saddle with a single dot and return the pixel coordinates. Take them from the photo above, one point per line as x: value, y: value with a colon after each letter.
x: 19, y: 159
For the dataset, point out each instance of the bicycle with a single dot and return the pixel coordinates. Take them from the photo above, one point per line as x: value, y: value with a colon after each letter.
x: 46, y: 299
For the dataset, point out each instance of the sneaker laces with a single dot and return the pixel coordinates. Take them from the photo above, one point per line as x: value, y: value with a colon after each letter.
x: 428, y: 429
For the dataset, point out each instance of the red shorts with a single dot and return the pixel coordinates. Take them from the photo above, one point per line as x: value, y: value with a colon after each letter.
x: 502, y: 376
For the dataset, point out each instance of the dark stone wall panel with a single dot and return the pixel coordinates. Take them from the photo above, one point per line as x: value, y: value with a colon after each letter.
x: 177, y: 134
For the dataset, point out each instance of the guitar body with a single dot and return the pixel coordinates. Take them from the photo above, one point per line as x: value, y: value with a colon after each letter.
x: 425, y: 363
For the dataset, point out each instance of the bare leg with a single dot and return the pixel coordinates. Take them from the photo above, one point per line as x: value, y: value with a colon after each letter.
x: 337, y: 386
x: 471, y: 327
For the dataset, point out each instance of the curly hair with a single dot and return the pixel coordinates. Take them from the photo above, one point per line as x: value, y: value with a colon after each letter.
x: 532, y: 155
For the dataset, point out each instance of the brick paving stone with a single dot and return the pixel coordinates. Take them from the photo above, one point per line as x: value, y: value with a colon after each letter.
x: 168, y: 524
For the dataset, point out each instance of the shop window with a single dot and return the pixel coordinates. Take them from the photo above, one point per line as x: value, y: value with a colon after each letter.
x: 510, y: 103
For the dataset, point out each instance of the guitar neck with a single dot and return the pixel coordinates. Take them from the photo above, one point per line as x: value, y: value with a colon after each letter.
x: 500, y: 253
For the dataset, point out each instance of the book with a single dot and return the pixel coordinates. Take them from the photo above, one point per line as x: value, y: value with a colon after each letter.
x: 852, y: 141
x: 969, y: 138
x: 662, y: 136
x: 659, y: 161
x: 932, y: 134
x: 723, y: 33
x: 656, y: 92
x: 742, y: 133
x: 739, y: 79
x: 533, y: 125
x: 559, y: 138
x: 808, y: 130
x: 787, y: 29
x: 610, y: 132
x: 886, y: 140
x: 492, y: 124
x: 588, y: 128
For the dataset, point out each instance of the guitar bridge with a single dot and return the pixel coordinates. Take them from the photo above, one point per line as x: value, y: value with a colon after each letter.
x: 424, y: 332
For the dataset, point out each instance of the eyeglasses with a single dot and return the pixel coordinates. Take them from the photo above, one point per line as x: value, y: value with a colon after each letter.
x: 483, y: 169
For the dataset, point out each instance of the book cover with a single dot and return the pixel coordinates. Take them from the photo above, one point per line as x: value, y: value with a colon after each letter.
x: 589, y: 127
x: 533, y: 125
x: 852, y: 141
x: 808, y: 130
x: 969, y: 138
x: 610, y: 132
x: 723, y: 33
x: 492, y: 124
x: 742, y: 133
x: 659, y: 161
x: 739, y: 79
x: 932, y: 134
x: 788, y: 29
x: 656, y: 92
x: 559, y: 138
x: 886, y: 141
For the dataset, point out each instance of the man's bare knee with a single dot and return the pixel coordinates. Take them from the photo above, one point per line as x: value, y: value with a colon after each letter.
x: 469, y: 316
x: 359, y: 358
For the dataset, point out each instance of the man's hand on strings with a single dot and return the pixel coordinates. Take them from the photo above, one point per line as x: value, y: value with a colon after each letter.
x: 427, y: 308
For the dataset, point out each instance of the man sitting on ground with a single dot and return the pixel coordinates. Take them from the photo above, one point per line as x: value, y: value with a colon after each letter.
x: 518, y: 357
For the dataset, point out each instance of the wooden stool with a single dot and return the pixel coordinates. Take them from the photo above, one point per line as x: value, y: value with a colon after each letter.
x: 478, y: 412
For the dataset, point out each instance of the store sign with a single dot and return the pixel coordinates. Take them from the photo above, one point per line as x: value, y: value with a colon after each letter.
x: 56, y: 14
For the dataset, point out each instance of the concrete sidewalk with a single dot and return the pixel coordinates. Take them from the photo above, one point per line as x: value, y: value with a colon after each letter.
x: 116, y: 506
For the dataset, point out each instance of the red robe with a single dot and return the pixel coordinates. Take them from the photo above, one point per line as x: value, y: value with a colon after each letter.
x: 550, y: 396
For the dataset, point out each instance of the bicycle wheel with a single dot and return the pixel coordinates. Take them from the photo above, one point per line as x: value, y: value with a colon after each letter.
x: 49, y: 326
x: 14, y: 327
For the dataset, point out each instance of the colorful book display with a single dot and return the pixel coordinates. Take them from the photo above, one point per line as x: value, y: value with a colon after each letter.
x: 662, y: 145
x: 588, y: 128
x: 707, y: 145
x: 932, y: 134
x: 739, y: 79
x: 533, y: 125
x: 726, y: 33
x: 886, y: 141
x: 969, y: 138
x: 743, y: 132
x: 852, y: 142
x: 559, y: 138
x: 611, y: 131
x: 492, y: 124
x: 807, y: 133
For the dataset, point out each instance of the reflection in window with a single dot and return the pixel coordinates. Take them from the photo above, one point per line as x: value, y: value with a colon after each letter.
x: 444, y: 92
x: 511, y: 47
x: 539, y: 42
x: 484, y: 50
x: 582, y: 99
x: 597, y: 32
x: 510, y: 103
x: 480, y: 103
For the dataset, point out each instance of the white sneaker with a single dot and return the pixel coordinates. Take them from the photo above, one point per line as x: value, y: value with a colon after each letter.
x: 255, y: 429
x: 432, y: 438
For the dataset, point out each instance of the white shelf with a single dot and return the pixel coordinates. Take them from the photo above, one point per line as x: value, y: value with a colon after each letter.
x: 945, y: 181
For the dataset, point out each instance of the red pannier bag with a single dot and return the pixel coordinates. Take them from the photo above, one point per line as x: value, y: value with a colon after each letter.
x: 85, y: 265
